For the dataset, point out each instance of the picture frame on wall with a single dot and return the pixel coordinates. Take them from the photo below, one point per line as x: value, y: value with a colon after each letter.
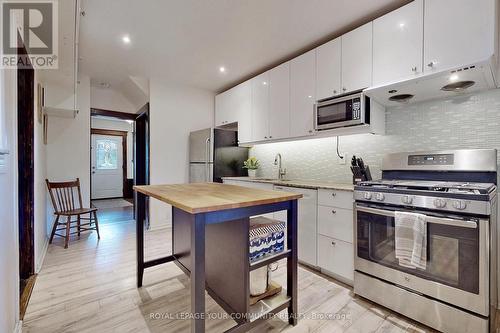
x: 40, y: 102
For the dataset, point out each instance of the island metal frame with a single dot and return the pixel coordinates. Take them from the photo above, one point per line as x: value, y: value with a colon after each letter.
x: 208, y: 248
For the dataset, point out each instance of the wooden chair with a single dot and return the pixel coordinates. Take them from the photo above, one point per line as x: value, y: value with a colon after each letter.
x: 64, y: 195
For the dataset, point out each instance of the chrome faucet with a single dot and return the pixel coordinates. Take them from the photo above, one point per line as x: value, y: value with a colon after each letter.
x: 281, y: 171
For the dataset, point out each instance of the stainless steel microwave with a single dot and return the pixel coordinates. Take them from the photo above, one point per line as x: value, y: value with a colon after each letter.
x: 343, y: 111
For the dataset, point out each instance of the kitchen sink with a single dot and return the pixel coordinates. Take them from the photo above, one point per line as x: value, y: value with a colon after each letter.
x: 273, y: 179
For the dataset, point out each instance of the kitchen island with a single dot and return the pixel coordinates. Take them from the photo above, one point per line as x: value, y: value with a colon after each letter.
x: 210, y: 243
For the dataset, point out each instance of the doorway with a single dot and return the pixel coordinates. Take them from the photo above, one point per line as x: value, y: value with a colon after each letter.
x: 112, y: 165
x: 26, y: 178
x: 108, y: 164
x: 141, y: 158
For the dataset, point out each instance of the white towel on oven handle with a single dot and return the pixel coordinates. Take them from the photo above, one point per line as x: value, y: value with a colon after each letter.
x: 411, y: 239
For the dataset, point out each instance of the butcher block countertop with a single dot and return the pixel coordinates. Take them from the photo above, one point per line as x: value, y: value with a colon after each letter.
x: 210, y: 197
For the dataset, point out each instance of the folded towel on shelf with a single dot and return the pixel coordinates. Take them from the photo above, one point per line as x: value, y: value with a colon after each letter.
x: 411, y: 240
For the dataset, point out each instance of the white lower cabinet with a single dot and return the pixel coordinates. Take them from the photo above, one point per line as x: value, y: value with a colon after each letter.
x: 335, y: 234
x: 306, y: 223
x: 336, y: 223
x: 336, y: 257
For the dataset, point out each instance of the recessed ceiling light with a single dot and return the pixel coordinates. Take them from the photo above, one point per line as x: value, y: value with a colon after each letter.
x: 310, y: 96
x: 222, y: 69
x: 126, y: 39
x: 453, y: 77
x: 264, y: 83
x: 402, y: 25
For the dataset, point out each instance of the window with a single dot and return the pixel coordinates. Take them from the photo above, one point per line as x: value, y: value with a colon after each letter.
x: 107, y: 154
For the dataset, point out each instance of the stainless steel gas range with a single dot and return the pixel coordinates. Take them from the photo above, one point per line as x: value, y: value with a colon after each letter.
x: 456, y: 191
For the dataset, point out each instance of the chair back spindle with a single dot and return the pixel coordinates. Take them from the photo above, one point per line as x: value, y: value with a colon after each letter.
x: 65, y: 196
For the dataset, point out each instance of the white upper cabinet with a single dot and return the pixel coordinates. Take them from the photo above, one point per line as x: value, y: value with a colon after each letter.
x: 328, y: 69
x: 458, y: 32
x: 302, y: 94
x: 357, y: 58
x: 398, y: 43
x: 234, y: 105
x: 222, y: 109
x: 260, y: 107
x: 279, y: 101
x: 242, y: 97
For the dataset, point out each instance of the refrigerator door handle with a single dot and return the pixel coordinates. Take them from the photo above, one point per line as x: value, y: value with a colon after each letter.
x: 207, y: 156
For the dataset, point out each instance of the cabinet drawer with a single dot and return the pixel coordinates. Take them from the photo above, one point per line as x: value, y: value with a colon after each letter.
x: 336, y: 256
x: 336, y: 223
x: 335, y: 198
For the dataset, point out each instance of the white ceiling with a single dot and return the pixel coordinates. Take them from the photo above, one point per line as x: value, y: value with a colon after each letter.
x: 186, y: 41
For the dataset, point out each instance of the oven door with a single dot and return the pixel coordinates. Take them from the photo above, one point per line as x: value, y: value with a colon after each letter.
x: 457, y: 269
x: 340, y: 112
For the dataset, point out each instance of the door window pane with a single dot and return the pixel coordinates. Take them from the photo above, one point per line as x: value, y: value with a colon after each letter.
x: 106, y: 154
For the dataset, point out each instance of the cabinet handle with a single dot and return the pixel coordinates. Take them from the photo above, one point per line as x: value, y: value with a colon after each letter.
x: 344, y: 89
x: 270, y: 136
x: 431, y: 64
x: 333, y: 243
x: 334, y: 194
x: 414, y: 69
x: 265, y: 137
x: 334, y: 211
x: 310, y: 131
x: 334, y: 92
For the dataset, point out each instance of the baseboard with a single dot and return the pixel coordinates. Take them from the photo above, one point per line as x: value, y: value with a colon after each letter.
x: 39, y: 263
x: 19, y: 327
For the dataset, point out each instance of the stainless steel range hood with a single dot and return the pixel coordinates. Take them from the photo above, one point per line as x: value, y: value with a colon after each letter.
x: 444, y: 84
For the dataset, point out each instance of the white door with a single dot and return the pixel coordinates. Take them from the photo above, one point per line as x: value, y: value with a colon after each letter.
x: 458, y: 32
x: 398, y: 44
x: 328, y: 69
x: 303, y: 94
x: 357, y: 58
x: 260, y: 107
x: 279, y: 102
x: 107, y: 166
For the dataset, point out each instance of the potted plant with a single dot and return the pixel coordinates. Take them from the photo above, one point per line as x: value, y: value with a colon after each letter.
x: 251, y: 164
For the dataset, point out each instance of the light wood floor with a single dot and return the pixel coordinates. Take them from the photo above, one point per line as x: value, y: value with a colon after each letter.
x: 90, y: 287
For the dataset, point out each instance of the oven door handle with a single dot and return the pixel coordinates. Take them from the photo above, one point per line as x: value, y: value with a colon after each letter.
x: 428, y: 219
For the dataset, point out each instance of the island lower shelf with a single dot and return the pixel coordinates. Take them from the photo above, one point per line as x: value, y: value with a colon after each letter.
x: 227, y: 267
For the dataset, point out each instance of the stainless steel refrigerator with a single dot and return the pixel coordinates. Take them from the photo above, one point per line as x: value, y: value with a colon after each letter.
x: 213, y: 154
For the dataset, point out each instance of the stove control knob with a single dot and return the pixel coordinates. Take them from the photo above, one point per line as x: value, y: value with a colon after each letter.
x: 367, y: 196
x: 380, y: 196
x: 439, y: 203
x: 459, y: 204
x: 407, y: 199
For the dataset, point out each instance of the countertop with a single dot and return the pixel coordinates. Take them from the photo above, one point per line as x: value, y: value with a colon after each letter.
x: 312, y: 184
x: 209, y: 197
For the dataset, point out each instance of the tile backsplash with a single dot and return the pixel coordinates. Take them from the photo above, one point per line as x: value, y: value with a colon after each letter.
x: 468, y: 121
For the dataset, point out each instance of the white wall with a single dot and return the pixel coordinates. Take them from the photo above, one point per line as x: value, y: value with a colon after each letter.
x: 68, y: 142
x: 40, y: 215
x: 110, y: 99
x: 119, y: 125
x: 9, y: 248
x: 174, y: 112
